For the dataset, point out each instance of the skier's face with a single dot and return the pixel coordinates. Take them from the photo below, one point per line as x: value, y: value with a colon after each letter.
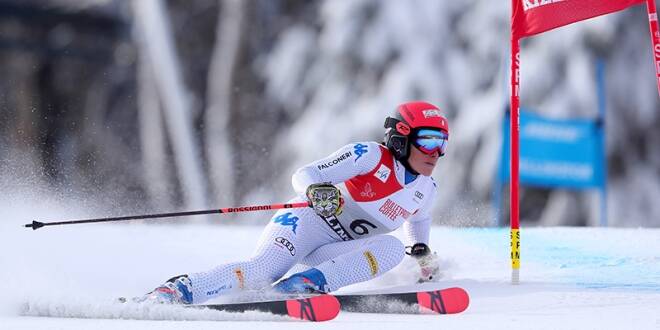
x: 421, y: 162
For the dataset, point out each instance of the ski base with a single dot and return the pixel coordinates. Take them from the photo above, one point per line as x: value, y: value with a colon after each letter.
x: 445, y: 301
x: 315, y: 309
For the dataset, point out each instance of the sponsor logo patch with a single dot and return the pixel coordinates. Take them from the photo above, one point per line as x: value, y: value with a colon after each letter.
x: 360, y: 149
x: 383, y: 173
x: 368, y: 191
x: 285, y: 243
x: 373, y: 263
x: 247, y: 208
x: 241, y: 279
x: 391, y: 210
x: 431, y: 113
x: 531, y: 4
x: 287, y: 220
x: 217, y: 291
x: 419, y: 195
x: 403, y: 128
x: 336, y: 226
x: 335, y: 161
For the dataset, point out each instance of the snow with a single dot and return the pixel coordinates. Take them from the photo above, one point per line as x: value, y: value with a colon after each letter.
x: 349, y: 68
x: 572, y: 278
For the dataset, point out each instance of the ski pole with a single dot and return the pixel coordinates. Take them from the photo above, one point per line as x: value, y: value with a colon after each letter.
x: 36, y: 224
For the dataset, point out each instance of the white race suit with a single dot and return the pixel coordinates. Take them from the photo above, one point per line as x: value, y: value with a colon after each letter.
x: 349, y: 248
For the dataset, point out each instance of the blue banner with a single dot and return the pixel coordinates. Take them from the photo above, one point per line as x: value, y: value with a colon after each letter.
x: 556, y: 153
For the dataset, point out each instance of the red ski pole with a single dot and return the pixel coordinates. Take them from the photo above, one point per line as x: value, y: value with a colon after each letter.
x: 36, y: 224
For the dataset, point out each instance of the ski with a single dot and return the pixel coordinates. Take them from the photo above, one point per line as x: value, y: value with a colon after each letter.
x: 317, y: 308
x: 445, y: 301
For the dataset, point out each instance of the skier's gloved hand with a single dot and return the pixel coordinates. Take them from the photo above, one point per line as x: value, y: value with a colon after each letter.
x: 325, y: 199
x: 427, y: 260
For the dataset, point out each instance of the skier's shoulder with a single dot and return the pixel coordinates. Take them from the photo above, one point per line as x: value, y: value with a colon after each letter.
x: 432, y: 180
x: 365, y: 145
x: 428, y: 184
x: 364, y: 150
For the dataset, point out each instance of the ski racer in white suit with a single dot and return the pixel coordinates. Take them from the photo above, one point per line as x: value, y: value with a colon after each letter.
x: 358, y: 194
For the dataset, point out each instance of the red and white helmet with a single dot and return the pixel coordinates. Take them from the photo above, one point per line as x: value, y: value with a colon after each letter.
x: 411, y: 124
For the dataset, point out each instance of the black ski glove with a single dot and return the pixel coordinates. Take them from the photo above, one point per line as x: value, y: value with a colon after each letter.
x: 427, y: 260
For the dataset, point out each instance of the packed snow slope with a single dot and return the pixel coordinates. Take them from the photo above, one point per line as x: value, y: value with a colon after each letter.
x: 572, y: 278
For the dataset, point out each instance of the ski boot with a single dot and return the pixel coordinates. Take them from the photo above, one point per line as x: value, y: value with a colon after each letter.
x: 309, y: 281
x: 177, y: 290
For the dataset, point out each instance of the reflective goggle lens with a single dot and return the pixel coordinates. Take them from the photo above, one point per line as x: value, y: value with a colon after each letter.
x: 430, y: 141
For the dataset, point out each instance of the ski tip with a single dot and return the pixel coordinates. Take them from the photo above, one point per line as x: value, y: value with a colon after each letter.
x: 316, y: 309
x: 445, y: 301
x: 459, y: 301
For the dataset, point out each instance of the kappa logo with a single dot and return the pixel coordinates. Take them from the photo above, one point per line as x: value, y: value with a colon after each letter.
x: 383, y: 173
x: 431, y: 113
x: 283, y: 242
x: 287, y: 220
x: 367, y: 192
x: 360, y: 149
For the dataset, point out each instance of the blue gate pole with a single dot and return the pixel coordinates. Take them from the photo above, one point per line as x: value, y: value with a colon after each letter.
x: 600, y: 86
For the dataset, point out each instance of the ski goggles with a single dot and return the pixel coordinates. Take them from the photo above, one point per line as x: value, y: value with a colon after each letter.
x: 429, y: 141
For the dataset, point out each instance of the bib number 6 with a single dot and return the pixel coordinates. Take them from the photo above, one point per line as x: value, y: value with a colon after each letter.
x: 359, y: 226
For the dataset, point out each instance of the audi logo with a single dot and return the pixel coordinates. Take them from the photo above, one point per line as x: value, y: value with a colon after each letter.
x: 285, y: 243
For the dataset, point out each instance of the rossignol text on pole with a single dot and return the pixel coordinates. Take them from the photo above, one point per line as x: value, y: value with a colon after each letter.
x: 37, y: 224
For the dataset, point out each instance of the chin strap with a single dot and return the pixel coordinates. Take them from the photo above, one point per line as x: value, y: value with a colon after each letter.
x: 407, y: 166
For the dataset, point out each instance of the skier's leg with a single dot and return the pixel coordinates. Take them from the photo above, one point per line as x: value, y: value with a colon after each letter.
x: 340, y: 264
x: 289, y: 236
